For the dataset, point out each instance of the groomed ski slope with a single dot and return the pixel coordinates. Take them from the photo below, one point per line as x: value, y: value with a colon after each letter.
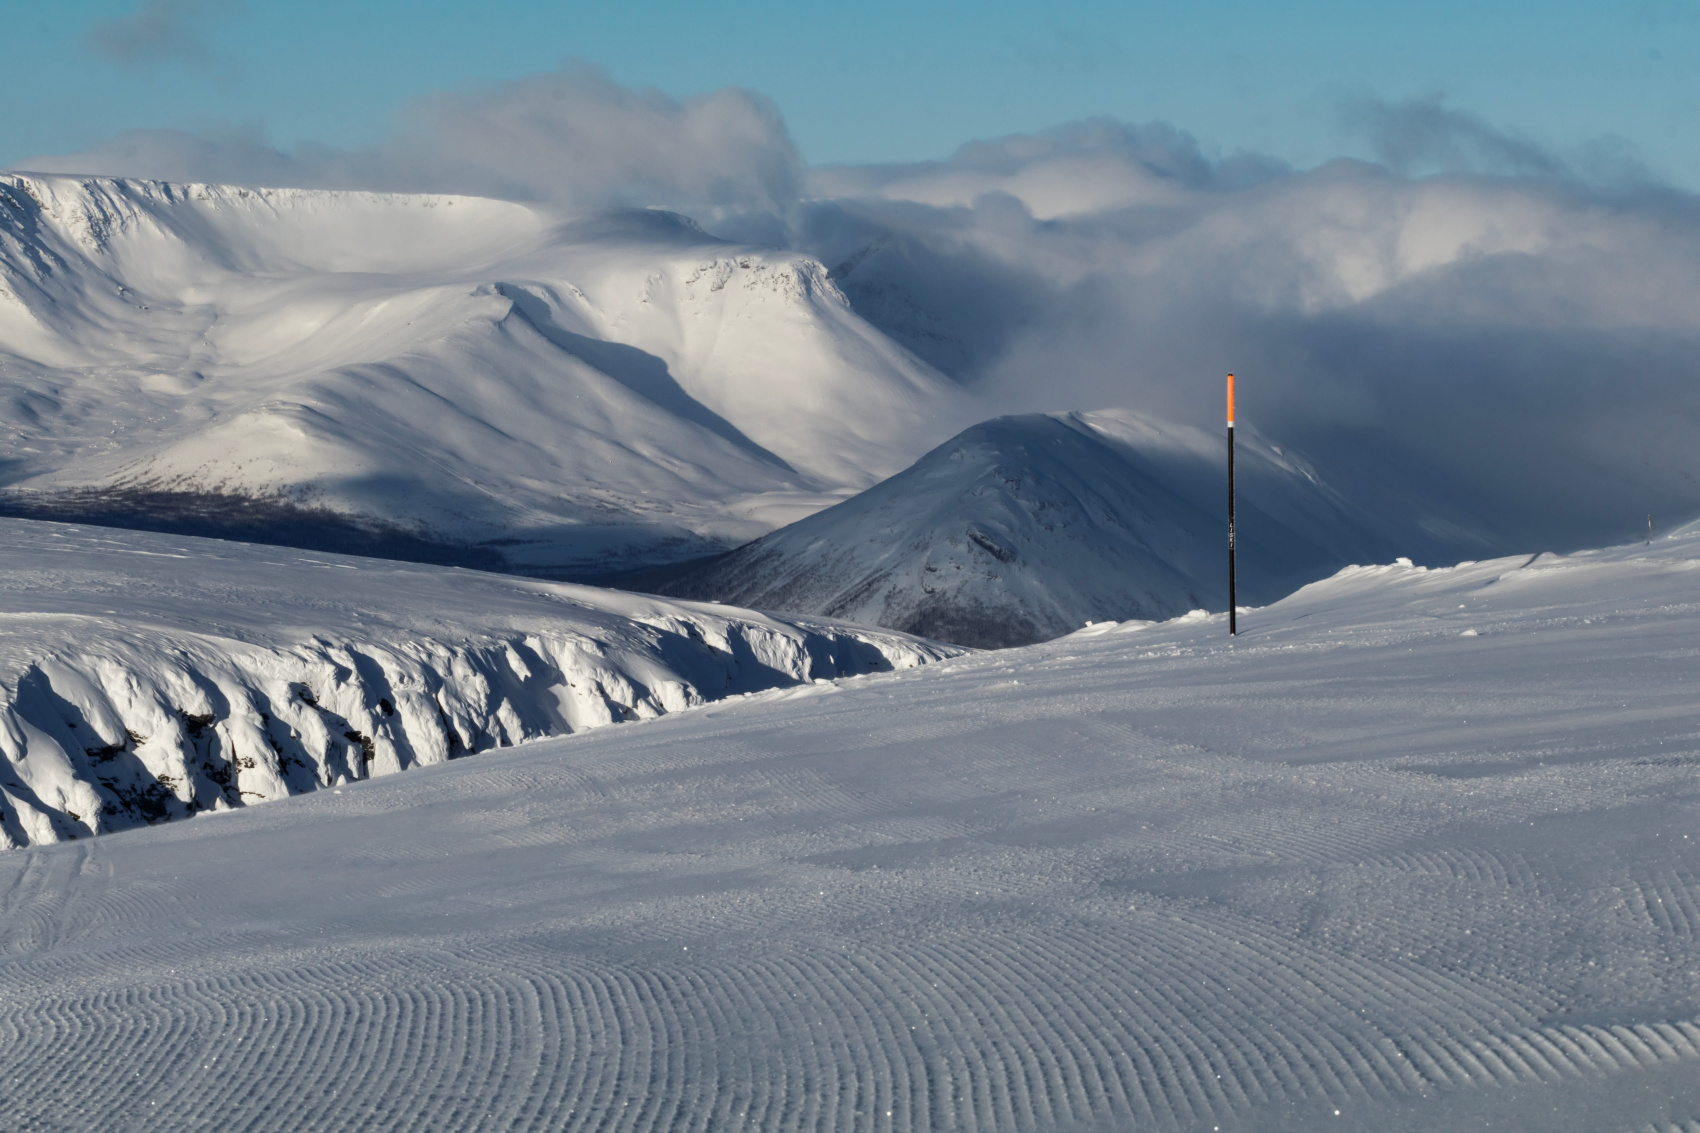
x: 1418, y: 851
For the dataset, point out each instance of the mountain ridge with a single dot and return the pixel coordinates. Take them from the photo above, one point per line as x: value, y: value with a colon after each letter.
x: 496, y: 383
x: 1020, y: 528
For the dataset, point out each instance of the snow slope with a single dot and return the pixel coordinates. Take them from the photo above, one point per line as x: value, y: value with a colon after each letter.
x: 432, y: 376
x: 147, y: 677
x: 1021, y: 528
x: 1420, y: 850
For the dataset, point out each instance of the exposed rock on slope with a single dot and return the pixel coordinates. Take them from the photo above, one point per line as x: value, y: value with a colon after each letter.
x: 147, y: 677
x: 1021, y: 528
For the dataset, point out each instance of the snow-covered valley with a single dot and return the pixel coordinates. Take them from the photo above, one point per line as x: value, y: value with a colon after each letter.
x: 1419, y: 850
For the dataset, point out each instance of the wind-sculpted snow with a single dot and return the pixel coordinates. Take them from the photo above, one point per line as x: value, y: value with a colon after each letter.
x: 1022, y: 528
x: 1417, y: 851
x: 432, y: 377
x: 145, y: 678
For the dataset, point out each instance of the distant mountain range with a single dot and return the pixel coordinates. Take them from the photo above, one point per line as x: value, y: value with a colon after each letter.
x: 433, y: 377
x: 618, y: 398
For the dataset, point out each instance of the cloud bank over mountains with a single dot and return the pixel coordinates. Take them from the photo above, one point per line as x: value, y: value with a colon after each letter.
x: 1501, y: 351
x: 1489, y: 337
x: 572, y: 138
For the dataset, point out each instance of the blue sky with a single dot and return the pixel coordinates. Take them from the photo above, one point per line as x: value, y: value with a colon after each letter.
x: 875, y: 80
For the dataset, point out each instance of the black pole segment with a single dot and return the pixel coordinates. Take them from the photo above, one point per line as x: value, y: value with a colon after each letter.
x: 1233, y: 626
x: 1233, y: 596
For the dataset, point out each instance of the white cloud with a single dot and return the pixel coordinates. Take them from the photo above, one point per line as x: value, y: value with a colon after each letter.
x: 573, y: 138
x: 1076, y: 169
x: 1424, y: 135
x: 1514, y: 355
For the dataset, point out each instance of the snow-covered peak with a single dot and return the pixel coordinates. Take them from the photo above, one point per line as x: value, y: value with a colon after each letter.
x: 1021, y: 528
x: 451, y: 377
x: 123, y: 222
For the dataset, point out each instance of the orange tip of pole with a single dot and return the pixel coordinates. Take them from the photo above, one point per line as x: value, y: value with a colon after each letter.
x: 1230, y: 399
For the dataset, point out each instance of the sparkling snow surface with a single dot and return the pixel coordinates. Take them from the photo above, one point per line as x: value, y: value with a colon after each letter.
x: 1420, y: 850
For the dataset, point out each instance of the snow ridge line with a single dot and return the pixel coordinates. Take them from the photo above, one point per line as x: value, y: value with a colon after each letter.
x: 130, y: 728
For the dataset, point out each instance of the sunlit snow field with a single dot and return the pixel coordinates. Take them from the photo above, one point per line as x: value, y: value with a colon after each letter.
x: 1419, y: 850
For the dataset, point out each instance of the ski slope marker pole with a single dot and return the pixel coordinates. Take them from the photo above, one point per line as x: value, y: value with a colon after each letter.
x: 1233, y: 627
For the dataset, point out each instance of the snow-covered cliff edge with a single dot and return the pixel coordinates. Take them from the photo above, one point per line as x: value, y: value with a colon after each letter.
x: 147, y: 677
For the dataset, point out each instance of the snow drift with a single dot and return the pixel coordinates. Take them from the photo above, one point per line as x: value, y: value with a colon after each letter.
x: 1020, y: 528
x: 441, y: 377
x: 147, y: 677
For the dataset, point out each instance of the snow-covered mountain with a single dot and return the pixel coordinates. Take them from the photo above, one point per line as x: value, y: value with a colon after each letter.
x: 1021, y: 528
x: 145, y: 677
x: 433, y: 376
